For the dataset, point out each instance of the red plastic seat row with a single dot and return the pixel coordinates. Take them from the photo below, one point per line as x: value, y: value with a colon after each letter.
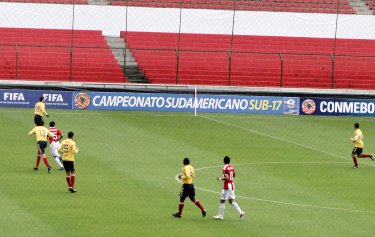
x: 35, y: 61
x: 301, y: 67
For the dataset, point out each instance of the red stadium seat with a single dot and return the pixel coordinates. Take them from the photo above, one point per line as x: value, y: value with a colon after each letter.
x: 45, y: 54
x: 254, y: 61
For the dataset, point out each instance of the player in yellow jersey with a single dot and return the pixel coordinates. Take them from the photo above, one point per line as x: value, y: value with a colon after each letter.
x: 188, y: 190
x: 39, y: 110
x: 68, y: 149
x: 41, y: 134
x: 358, y: 146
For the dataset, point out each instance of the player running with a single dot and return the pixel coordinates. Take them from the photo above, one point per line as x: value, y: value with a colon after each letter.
x: 187, y: 190
x: 228, y: 190
x: 39, y: 110
x: 41, y: 134
x: 358, y: 146
x: 55, y: 143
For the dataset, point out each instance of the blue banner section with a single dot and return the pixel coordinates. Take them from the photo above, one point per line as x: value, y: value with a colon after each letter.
x: 28, y: 98
x: 337, y: 107
x: 185, y: 103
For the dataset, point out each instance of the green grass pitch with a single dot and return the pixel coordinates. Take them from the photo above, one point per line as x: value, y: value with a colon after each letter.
x: 294, y: 175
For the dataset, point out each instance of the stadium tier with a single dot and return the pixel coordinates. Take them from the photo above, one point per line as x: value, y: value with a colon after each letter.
x: 313, y: 6
x: 44, y: 54
x: 254, y: 61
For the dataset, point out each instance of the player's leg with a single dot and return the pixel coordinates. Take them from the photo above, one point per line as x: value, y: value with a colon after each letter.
x: 72, y: 177
x: 55, y: 154
x: 67, y: 177
x: 196, y: 202
x: 42, y: 146
x: 354, y: 157
x: 38, y: 157
x: 234, y: 204
x: 361, y: 155
x: 183, y: 195
x: 72, y: 180
x: 223, y: 198
x: 67, y: 173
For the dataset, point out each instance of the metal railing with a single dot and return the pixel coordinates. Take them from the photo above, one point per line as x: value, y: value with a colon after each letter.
x: 13, y: 59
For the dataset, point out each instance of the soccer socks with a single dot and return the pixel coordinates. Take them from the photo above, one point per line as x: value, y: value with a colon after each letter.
x: 72, y: 179
x: 68, y: 181
x: 365, y: 156
x: 198, y: 204
x: 57, y: 159
x: 180, y: 207
x: 237, y: 207
x: 221, y: 209
x: 45, y: 160
x: 37, y: 161
x: 355, y: 161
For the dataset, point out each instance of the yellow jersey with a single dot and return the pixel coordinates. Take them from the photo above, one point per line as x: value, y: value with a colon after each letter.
x: 68, y: 148
x: 40, y: 109
x: 41, y: 133
x: 359, y: 142
x: 188, y: 174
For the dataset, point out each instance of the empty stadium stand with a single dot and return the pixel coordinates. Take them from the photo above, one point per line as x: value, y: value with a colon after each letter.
x: 307, y: 6
x: 44, y: 54
x: 254, y: 60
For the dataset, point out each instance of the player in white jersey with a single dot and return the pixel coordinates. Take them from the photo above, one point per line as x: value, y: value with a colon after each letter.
x: 55, y: 143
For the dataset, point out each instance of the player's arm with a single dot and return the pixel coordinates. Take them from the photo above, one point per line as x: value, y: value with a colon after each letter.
x: 183, y: 174
x: 192, y: 174
x: 354, y: 139
x: 32, y: 132
x: 59, y: 135
x: 49, y: 134
x: 44, y: 110
x: 75, y: 148
x: 225, y: 177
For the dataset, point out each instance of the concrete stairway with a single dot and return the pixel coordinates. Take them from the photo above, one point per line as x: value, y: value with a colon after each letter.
x: 125, y: 59
x: 360, y: 7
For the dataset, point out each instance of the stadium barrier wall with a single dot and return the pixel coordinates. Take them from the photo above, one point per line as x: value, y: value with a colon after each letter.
x: 183, y: 102
x: 28, y: 98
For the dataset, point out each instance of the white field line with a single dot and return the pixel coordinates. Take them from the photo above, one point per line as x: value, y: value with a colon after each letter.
x: 280, y: 139
x: 294, y: 204
x: 291, y: 117
x: 279, y: 202
x: 277, y: 163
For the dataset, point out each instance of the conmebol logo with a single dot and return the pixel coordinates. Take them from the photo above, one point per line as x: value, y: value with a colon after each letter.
x: 82, y: 100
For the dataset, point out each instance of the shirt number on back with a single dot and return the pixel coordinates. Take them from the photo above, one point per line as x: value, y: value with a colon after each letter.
x: 231, y: 175
x: 66, y: 148
x: 43, y: 133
